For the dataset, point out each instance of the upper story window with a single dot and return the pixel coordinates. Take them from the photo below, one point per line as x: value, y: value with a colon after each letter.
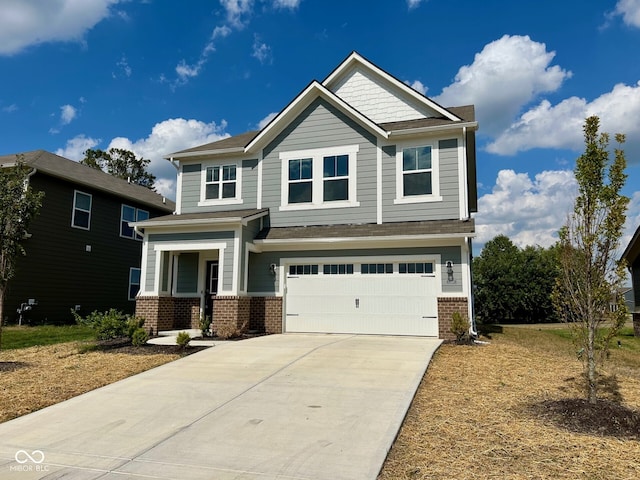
x: 131, y: 214
x: 221, y: 184
x: 417, y: 174
x: 81, y: 217
x: 319, y: 178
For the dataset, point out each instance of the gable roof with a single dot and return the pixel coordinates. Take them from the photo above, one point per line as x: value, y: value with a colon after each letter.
x: 357, y: 63
x: 65, y: 169
x: 254, y: 140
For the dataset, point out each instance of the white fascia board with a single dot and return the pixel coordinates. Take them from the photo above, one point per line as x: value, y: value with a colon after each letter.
x: 361, y: 242
x: 355, y: 58
x: 296, y: 107
x: 204, y: 153
x: 435, y: 129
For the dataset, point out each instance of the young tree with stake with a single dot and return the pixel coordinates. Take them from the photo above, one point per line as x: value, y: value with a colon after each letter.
x: 590, y: 274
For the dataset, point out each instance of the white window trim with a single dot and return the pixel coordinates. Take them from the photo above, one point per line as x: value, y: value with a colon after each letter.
x: 317, y: 178
x: 73, y: 213
x: 435, y: 175
x: 130, y: 283
x: 237, y: 200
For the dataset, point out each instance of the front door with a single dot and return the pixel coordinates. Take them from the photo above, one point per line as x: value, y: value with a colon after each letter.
x: 211, y: 286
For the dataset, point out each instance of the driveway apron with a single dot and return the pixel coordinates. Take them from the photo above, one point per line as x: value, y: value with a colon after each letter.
x: 290, y: 407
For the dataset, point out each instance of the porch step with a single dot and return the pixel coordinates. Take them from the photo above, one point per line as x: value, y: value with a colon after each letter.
x: 193, y: 332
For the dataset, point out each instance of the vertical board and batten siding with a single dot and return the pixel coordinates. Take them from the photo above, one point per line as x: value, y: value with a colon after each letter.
x: 321, y: 125
x: 635, y: 279
x: 261, y: 281
x: 59, y: 272
x: 192, y: 186
x: 226, y: 237
x: 448, y: 208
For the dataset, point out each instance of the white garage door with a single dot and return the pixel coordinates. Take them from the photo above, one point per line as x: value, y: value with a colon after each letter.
x: 388, y: 299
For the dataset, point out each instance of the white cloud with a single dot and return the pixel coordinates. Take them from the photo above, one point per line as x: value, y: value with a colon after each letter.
x: 75, y: 148
x: 67, y: 114
x: 505, y: 76
x: 418, y: 86
x: 167, y: 137
x: 290, y: 4
x: 528, y: 211
x: 630, y: 12
x: 413, y: 3
x: 10, y: 108
x: 24, y: 23
x: 261, y: 51
x: 237, y: 12
x: 560, y: 126
x: 265, y: 121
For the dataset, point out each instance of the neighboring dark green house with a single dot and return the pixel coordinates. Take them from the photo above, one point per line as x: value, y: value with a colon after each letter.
x: 81, y: 254
x: 632, y: 256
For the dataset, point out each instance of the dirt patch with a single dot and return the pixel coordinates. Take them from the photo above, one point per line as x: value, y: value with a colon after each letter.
x: 36, y: 377
x: 514, y: 410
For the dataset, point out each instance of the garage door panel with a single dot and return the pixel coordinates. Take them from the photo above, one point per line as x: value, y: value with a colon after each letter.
x: 373, y: 304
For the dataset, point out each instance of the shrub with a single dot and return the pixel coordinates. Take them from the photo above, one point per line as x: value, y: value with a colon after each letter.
x: 183, y: 339
x: 459, y: 327
x: 205, y: 325
x: 139, y: 337
x: 110, y: 324
x: 227, y: 331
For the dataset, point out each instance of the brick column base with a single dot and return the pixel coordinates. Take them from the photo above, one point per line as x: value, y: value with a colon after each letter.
x: 446, y: 307
x: 266, y: 314
x: 636, y: 324
x: 168, y: 313
x: 231, y: 312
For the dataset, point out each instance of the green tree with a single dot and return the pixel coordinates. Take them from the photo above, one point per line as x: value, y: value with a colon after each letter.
x: 19, y: 204
x: 121, y: 163
x: 513, y: 284
x: 590, y: 274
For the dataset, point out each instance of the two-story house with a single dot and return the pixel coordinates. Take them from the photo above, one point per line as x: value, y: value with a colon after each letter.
x: 350, y: 212
x: 81, y: 252
x: 632, y: 257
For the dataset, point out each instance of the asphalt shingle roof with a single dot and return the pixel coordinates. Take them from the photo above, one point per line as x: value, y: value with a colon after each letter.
x: 63, y: 168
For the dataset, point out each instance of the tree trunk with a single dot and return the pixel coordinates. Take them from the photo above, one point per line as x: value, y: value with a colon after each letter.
x: 591, y: 366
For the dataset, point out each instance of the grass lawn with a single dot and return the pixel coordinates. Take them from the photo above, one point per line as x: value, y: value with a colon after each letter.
x: 22, y: 336
x: 513, y: 409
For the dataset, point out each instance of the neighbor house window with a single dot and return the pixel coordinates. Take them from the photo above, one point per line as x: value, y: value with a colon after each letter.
x: 220, y: 182
x: 417, y: 171
x: 81, y: 210
x: 134, y: 282
x: 319, y: 178
x: 300, y: 180
x: 131, y: 214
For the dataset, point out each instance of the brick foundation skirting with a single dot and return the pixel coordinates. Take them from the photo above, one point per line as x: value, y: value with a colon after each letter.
x: 168, y: 313
x: 446, y: 307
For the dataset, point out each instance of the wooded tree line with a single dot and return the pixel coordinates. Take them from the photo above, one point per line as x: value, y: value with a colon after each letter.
x: 514, y: 284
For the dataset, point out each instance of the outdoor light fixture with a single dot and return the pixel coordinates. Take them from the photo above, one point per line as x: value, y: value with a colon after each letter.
x: 449, y: 271
x: 272, y: 269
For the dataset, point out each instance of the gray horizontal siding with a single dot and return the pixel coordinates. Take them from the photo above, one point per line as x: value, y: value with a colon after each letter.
x: 192, y: 187
x: 187, y: 276
x: 260, y: 280
x: 320, y: 125
x: 448, y: 208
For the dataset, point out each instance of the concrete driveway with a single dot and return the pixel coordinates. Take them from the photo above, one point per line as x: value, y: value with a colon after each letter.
x: 289, y: 407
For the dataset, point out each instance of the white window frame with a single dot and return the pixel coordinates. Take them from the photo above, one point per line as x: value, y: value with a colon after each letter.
x: 136, y: 218
x: 131, y: 269
x: 220, y: 201
x: 434, y: 196
x: 73, y: 214
x: 317, y: 178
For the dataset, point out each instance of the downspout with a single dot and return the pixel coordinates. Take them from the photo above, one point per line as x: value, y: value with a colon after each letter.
x: 473, y: 331
x: 178, y: 185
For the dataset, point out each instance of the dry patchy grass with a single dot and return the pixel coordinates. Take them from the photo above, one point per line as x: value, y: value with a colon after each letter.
x: 36, y: 377
x: 511, y: 410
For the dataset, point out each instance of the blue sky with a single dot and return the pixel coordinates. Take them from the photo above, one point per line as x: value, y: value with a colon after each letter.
x: 158, y: 76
